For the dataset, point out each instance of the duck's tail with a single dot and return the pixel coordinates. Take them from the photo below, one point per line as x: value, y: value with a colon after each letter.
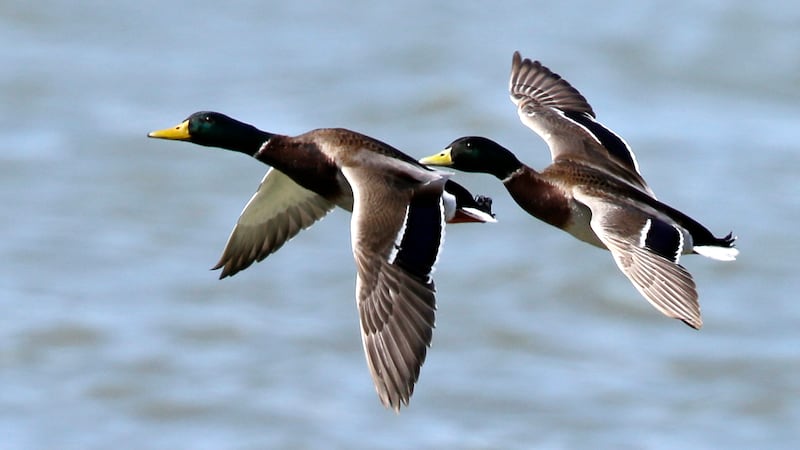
x: 462, y: 207
x: 721, y: 249
x: 480, y: 211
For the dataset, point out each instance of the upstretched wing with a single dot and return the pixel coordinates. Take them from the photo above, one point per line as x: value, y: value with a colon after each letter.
x: 278, y: 210
x: 646, y: 249
x: 396, y: 239
x: 559, y: 114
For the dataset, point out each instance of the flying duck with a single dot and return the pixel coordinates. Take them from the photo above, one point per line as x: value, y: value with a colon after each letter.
x: 397, y: 228
x: 593, y: 190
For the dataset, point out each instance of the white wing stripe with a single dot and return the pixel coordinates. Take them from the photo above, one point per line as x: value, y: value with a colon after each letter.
x: 643, y: 234
x: 398, y: 239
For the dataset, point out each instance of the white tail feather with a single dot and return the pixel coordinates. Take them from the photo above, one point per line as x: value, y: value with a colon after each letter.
x: 478, y: 214
x: 718, y: 253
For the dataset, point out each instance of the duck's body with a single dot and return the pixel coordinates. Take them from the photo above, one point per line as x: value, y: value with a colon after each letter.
x: 594, y: 191
x: 303, y: 185
x: 397, y: 229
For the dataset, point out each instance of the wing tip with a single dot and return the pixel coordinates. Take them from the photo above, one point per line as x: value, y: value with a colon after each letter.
x: 693, y: 322
x: 227, y: 269
x: 544, y: 86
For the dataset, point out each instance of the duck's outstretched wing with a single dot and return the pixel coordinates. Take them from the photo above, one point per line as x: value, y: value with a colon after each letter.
x: 278, y: 210
x: 559, y: 114
x: 646, y: 249
x: 396, y: 237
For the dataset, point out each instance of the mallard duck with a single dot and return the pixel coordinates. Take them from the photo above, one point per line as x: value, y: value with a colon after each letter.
x: 397, y: 228
x: 593, y: 190
x: 303, y: 185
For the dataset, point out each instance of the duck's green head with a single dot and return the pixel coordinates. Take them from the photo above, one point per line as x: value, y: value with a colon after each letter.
x: 476, y: 154
x: 215, y: 129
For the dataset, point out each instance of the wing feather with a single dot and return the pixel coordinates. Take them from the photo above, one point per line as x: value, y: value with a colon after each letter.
x: 396, y: 238
x: 667, y: 285
x: 276, y: 213
x: 561, y: 116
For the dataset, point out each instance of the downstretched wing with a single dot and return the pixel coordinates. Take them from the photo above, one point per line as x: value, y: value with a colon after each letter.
x: 278, y: 210
x: 559, y: 114
x: 396, y: 239
x: 646, y: 249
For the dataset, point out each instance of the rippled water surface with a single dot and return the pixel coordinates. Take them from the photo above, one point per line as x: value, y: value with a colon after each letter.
x: 116, y: 335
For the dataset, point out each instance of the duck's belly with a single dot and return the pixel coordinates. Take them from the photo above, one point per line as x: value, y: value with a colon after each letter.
x: 579, y: 225
x: 344, y: 197
x: 345, y: 201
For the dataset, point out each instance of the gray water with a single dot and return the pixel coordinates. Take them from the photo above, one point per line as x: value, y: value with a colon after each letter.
x: 115, y: 334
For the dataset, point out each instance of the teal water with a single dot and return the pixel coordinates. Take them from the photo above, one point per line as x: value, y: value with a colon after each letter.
x: 116, y: 335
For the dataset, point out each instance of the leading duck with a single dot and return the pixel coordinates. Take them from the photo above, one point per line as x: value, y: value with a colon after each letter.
x: 593, y: 190
x: 397, y: 227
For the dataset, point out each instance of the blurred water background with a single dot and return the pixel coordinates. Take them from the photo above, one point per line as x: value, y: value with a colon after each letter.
x: 114, y: 333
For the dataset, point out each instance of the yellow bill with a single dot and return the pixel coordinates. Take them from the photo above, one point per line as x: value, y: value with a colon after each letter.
x: 179, y: 132
x: 439, y: 159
